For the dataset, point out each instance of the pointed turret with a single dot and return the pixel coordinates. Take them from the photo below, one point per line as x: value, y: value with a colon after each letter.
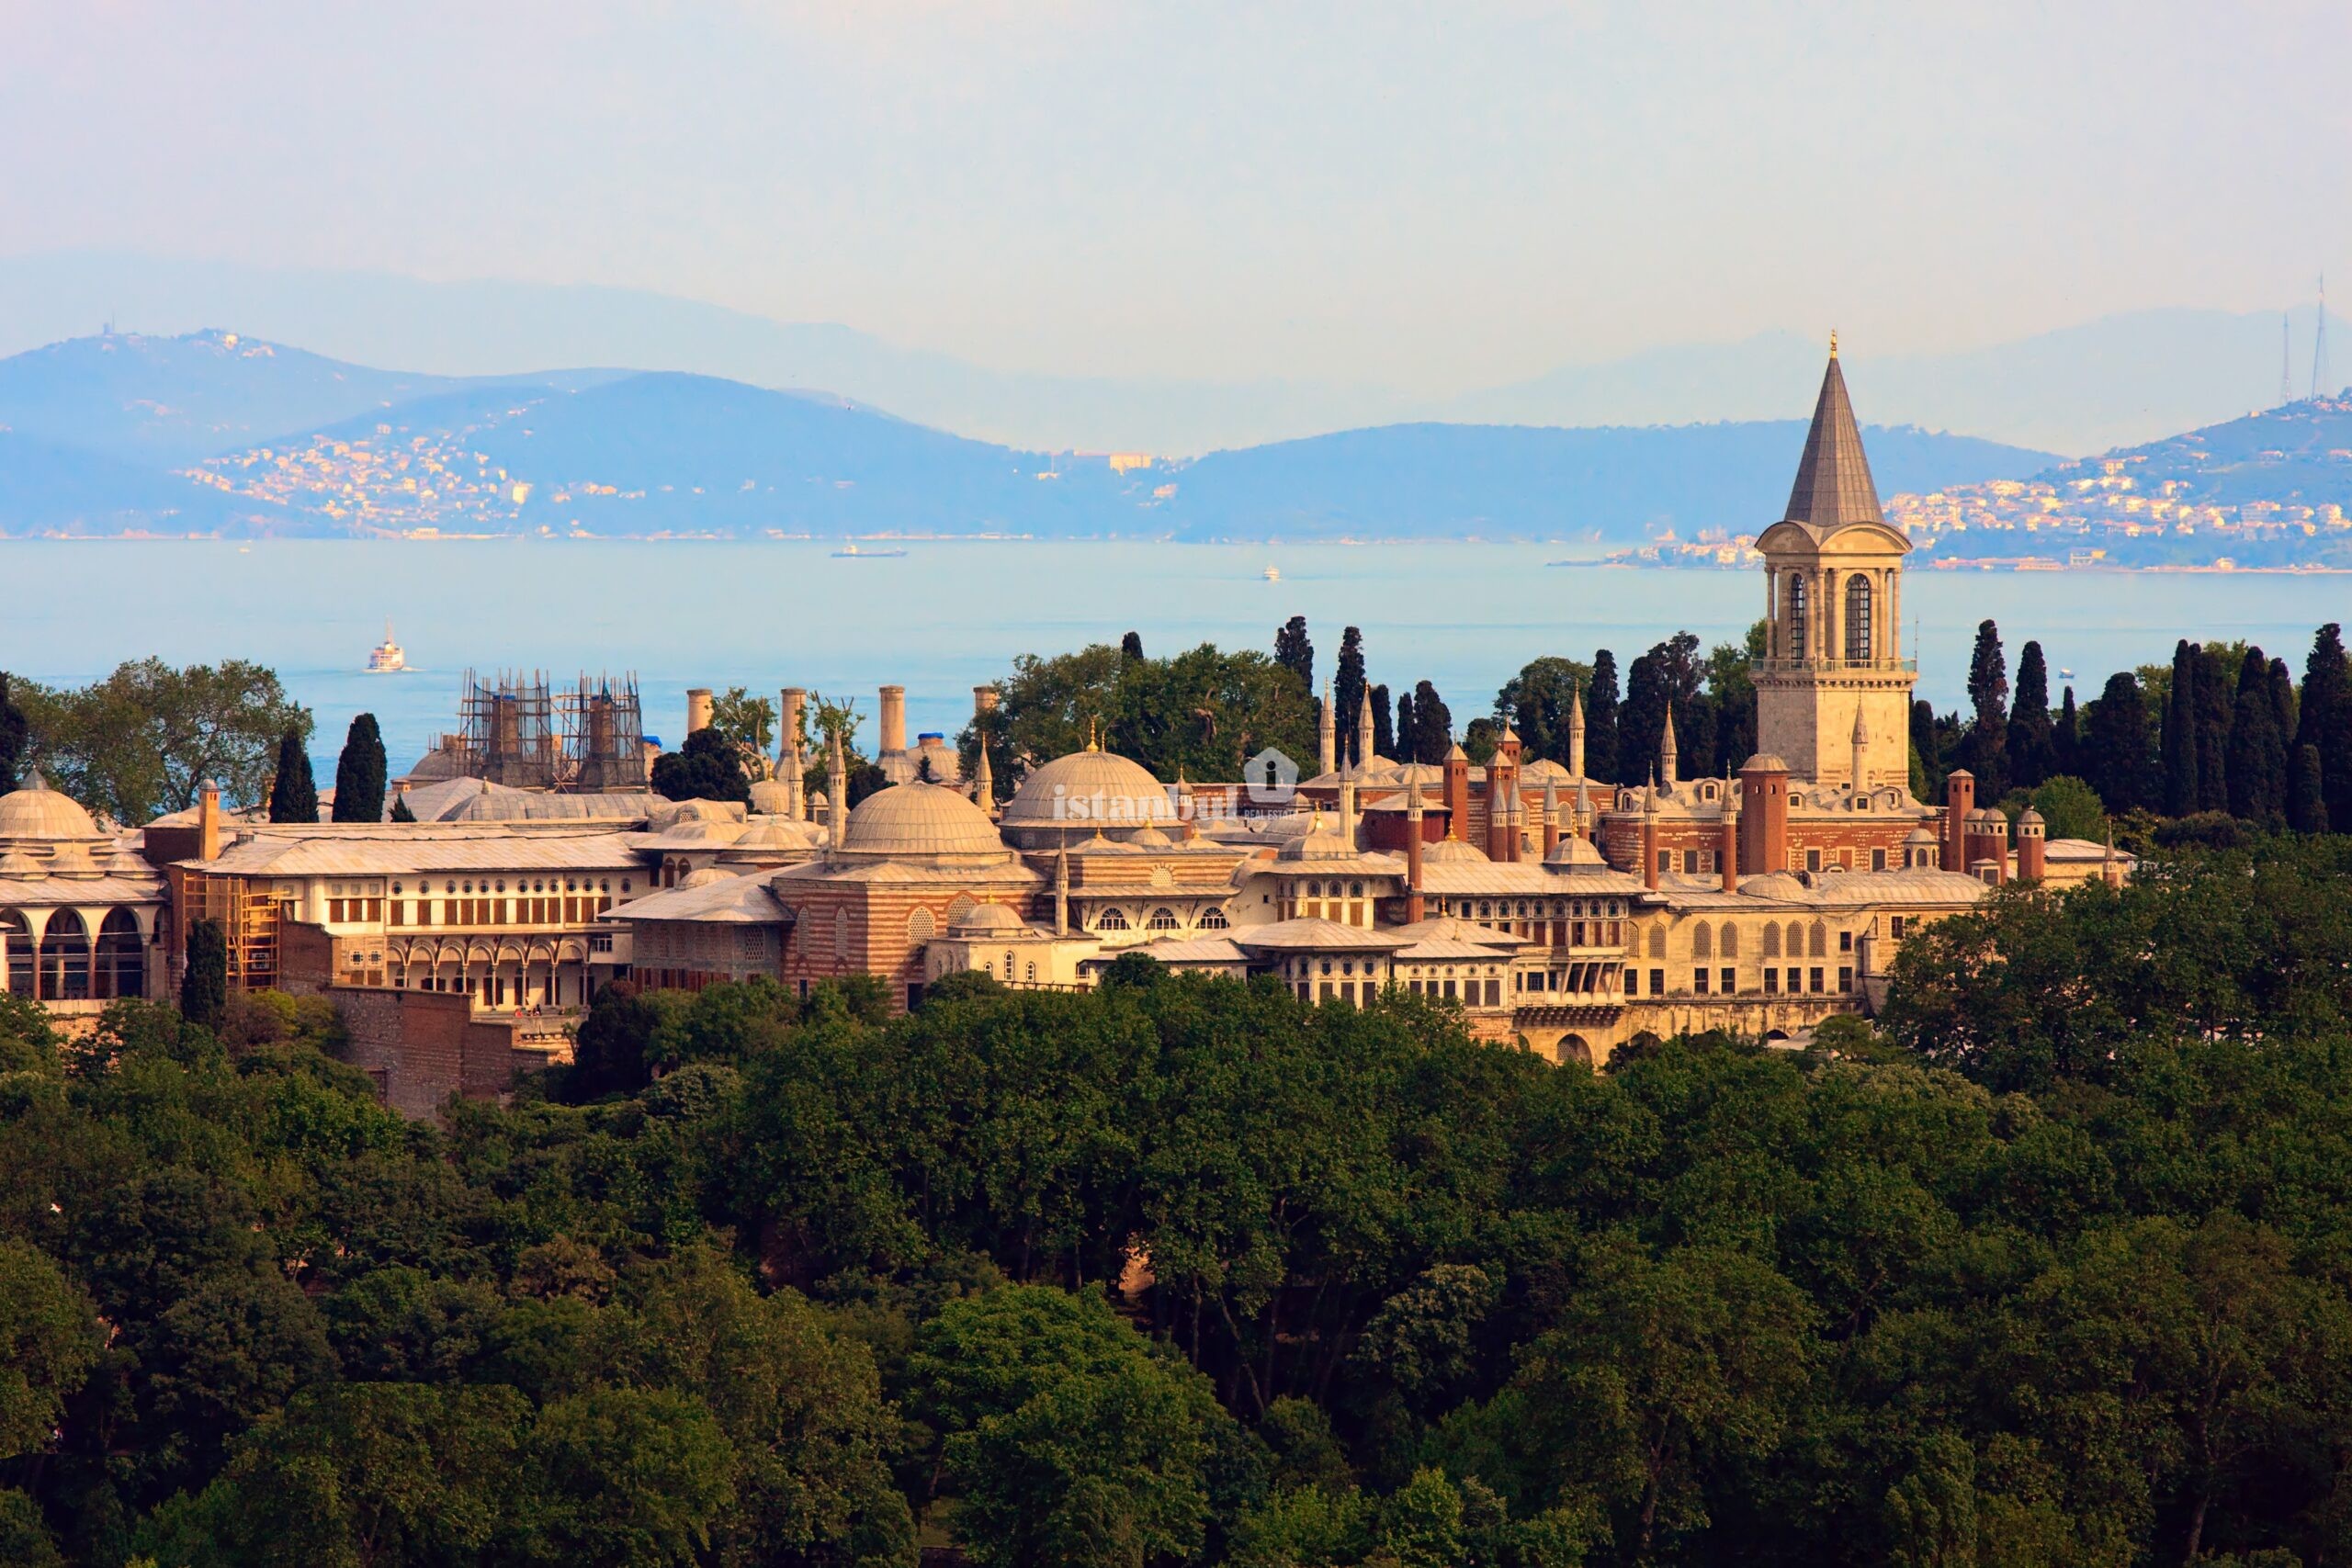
x: 984, y: 783
x: 1666, y: 750
x: 837, y: 809
x: 1861, y: 743
x: 1363, y: 730
x: 1834, y: 486
x: 1327, y: 738
x: 1575, y: 733
x: 791, y: 773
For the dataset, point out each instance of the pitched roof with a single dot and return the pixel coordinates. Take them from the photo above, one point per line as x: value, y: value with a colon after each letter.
x: 1834, y: 486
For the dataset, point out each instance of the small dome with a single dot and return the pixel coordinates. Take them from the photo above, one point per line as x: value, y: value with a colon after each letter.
x: 72, y: 859
x: 1920, y: 835
x: 918, y: 818
x: 2030, y: 817
x: 704, y: 878
x: 1574, y: 853
x: 770, y: 797
x: 1088, y: 789
x: 21, y: 866
x: 1320, y: 844
x: 1544, y: 771
x: 981, y: 920
x: 38, y: 811
x: 1457, y: 852
x: 1151, y: 838
x: 1764, y: 762
x: 776, y: 833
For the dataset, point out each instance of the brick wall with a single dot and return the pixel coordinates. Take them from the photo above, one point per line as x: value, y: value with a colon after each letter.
x: 422, y: 1046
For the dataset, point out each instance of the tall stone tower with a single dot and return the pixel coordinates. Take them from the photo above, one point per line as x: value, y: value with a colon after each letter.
x: 1833, y: 692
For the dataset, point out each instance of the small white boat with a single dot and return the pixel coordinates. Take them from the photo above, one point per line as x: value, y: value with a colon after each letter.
x: 388, y: 658
x: 1272, y: 574
x: 851, y: 552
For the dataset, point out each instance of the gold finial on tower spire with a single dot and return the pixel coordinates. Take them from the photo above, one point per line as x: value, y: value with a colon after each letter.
x: 1833, y: 343
x: 1093, y: 738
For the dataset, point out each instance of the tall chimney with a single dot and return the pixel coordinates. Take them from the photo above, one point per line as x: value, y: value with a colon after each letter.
x: 698, y: 709
x: 985, y: 699
x: 1457, y: 793
x: 1551, y: 817
x: 1414, y: 903
x: 207, y: 821
x: 788, y: 715
x: 1576, y: 735
x: 1650, y: 838
x: 1960, y: 801
x: 1727, y: 856
x: 1326, y: 736
x: 2033, y: 834
x: 894, y: 719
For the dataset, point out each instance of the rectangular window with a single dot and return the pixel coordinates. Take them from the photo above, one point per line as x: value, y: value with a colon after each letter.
x: 1813, y: 860
x: 1633, y: 982
x: 1796, y: 980
x: 400, y: 911
x: 1845, y: 941
x: 1657, y: 982
x: 1845, y: 978
x: 1666, y: 859
x: 1814, y: 974
x: 1323, y: 992
x: 1449, y: 991
x: 1878, y: 860
x: 1731, y: 981
x: 1348, y: 992
x: 1771, y: 981
x: 1691, y: 862
x: 1895, y: 925
x: 1699, y: 981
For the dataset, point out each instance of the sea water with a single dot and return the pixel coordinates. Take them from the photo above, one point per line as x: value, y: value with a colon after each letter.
x: 948, y: 616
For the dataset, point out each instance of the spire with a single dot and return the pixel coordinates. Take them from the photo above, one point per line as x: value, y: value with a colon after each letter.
x: 1327, y: 743
x: 1834, y: 486
x: 793, y: 776
x: 1666, y: 750
x: 984, y: 783
x: 1576, y: 732
x: 1093, y: 734
x: 837, y: 809
x: 1363, y: 730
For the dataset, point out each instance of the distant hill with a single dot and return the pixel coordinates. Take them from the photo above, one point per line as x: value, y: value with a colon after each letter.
x: 170, y: 401
x: 2299, y: 453
x: 2121, y: 378
x: 1500, y: 482
x: 664, y: 452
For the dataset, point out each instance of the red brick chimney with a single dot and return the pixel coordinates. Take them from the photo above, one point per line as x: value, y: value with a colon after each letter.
x: 1960, y: 800
x: 1764, y: 792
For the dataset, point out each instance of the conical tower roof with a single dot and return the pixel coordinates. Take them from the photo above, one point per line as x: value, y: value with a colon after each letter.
x: 1834, y: 486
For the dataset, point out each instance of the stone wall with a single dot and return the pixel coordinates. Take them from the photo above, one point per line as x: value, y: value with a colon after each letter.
x: 422, y: 1046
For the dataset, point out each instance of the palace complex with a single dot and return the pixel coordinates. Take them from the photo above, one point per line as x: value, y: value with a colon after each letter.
x: 1561, y: 913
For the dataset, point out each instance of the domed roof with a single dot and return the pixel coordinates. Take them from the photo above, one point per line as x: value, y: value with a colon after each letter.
x: 2030, y: 817
x: 1458, y: 851
x: 21, y: 866
x: 1319, y: 843
x: 705, y: 877
x: 1544, y: 769
x: 1573, y: 853
x: 776, y: 833
x: 1151, y: 838
x: 770, y: 797
x: 1920, y: 835
x: 917, y: 818
x: 982, y: 918
x: 38, y: 811
x: 1764, y: 762
x: 1087, y: 789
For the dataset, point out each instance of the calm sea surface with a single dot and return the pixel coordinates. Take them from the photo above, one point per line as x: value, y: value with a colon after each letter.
x: 946, y: 616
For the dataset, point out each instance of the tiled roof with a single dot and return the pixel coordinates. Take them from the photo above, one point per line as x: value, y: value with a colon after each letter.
x: 730, y: 900
x: 377, y: 850
x: 1834, y: 486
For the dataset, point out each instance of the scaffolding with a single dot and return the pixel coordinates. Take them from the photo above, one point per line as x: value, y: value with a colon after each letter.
x: 603, y: 736
x: 506, y: 731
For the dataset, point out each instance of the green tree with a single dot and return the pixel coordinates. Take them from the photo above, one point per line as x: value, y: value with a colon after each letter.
x: 2070, y: 808
x: 2307, y: 793
x: 204, y: 981
x: 49, y: 1334
x: 1432, y: 734
x: 2065, y: 735
x: 1926, y: 753
x: 2117, y: 753
x: 401, y: 812
x: 2257, y: 751
x: 1383, y: 724
x: 2324, y: 720
x: 360, y: 772
x: 709, y: 767
x: 13, y: 733
x: 1537, y: 703
x: 1294, y: 653
x: 1131, y: 646
x: 140, y: 742
x: 634, y: 1476
x: 293, y: 797
x: 1984, y: 750
x: 2182, y: 749
x: 1600, y: 758
x: 1730, y: 698
x: 1346, y: 691
x: 2033, y: 753
x: 747, y: 721
x: 2216, y: 700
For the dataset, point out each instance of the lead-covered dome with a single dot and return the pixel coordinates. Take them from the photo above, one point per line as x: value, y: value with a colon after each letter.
x: 916, y: 818
x: 38, y: 811
x: 1088, y: 790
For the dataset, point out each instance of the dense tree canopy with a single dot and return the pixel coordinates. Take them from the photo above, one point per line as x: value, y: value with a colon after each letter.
x: 142, y: 742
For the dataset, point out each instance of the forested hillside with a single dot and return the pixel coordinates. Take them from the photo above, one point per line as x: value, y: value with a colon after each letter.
x: 2052, y: 1269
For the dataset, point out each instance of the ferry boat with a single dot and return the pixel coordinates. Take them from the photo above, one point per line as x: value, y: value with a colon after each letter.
x: 388, y: 658
x: 851, y: 552
x: 1272, y: 574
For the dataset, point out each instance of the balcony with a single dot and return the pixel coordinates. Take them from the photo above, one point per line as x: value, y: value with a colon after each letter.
x: 1759, y: 667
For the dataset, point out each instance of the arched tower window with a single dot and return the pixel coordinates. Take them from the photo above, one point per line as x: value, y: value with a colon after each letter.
x: 1858, y: 617
x: 1796, y: 616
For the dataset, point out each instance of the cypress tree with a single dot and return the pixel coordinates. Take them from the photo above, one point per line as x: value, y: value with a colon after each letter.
x: 2306, y: 794
x: 2257, y: 757
x: 1986, y: 750
x: 1432, y: 725
x: 1383, y: 728
x: 2282, y: 708
x: 293, y: 797
x: 2324, y: 721
x: 1641, y: 721
x: 2216, y: 697
x: 204, y: 982
x: 360, y: 773
x: 13, y: 733
x: 2066, y: 737
x: 1294, y: 653
x: 400, y: 813
x: 1408, y: 738
x: 2116, y: 744
x: 1601, y: 721
x: 1346, y: 691
x: 2180, y: 733
x: 2031, y: 755
x: 1131, y: 646
x: 1928, y: 748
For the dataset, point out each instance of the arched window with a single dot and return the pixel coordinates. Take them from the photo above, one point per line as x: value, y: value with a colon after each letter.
x: 920, y: 925
x: 1702, y: 941
x: 19, y: 940
x: 1772, y: 940
x: 1796, y: 615
x: 1730, y: 944
x: 1820, y: 944
x: 1657, y: 941
x: 123, y: 956
x: 1796, y: 939
x: 65, y: 958
x: 1112, y: 920
x: 1214, y: 921
x: 1162, y: 919
x: 1858, y: 617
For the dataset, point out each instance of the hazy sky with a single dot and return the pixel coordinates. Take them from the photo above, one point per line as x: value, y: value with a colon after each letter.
x: 1430, y: 196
